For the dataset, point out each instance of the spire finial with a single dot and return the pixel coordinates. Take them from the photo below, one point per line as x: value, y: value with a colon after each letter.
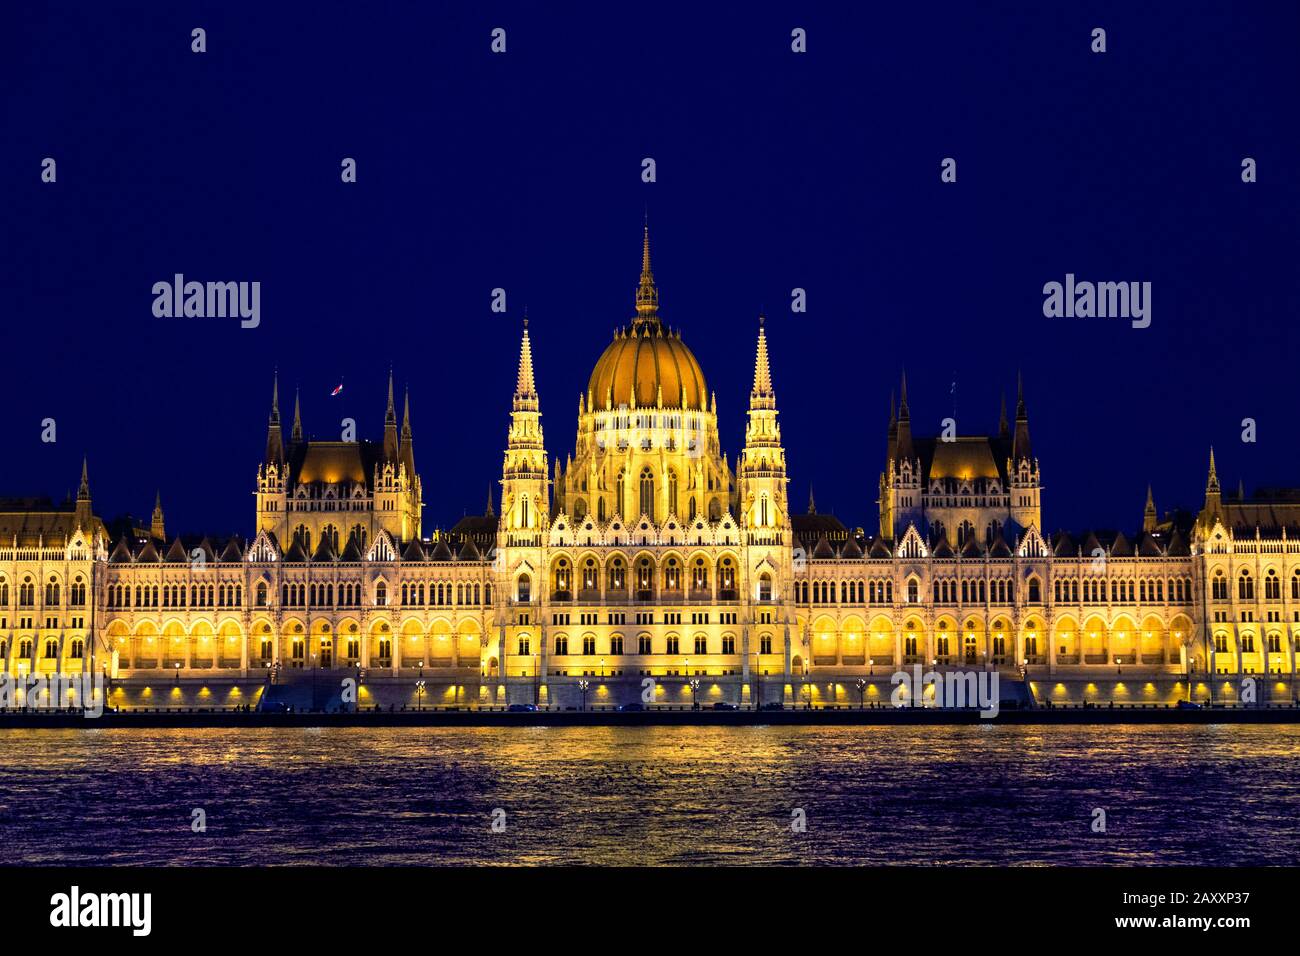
x: 903, y: 412
x: 490, y: 512
x: 812, y: 502
x: 275, y: 396
x: 296, y: 434
x: 525, y: 388
x: 84, y: 491
x: 762, y: 369
x: 647, y: 295
x: 1213, y: 483
x: 406, y: 413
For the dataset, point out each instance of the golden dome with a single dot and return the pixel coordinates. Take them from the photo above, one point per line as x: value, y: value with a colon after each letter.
x: 642, y: 360
x: 646, y: 363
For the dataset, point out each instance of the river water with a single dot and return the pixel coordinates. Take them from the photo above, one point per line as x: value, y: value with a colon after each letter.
x: 1214, y: 795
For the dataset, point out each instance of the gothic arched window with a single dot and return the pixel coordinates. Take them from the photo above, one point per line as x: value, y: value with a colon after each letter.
x: 647, y: 493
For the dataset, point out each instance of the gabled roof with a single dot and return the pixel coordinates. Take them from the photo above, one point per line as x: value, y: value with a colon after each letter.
x: 440, y: 551
x: 468, y: 552
x: 1000, y: 548
x: 148, y: 554
x: 177, y: 554
x: 121, y: 553
x: 296, y: 554
x: 879, y: 549
x: 1063, y: 545
x: 823, y: 549
x: 233, y: 550
x: 852, y: 550
x: 413, y: 551
x: 972, y: 548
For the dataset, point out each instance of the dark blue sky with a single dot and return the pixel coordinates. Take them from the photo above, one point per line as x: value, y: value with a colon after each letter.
x: 775, y: 170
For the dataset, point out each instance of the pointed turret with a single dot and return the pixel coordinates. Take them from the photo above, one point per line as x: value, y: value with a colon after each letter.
x: 525, y: 387
x: 407, y: 445
x: 1004, y: 430
x: 812, y: 502
x: 1213, y: 496
x: 274, y: 439
x: 391, y: 449
x: 157, y: 529
x: 647, y: 295
x: 83, y: 508
x: 295, y: 436
x: 1149, y: 518
x: 490, y: 512
x: 903, y: 440
x: 763, y: 395
x: 1020, y: 448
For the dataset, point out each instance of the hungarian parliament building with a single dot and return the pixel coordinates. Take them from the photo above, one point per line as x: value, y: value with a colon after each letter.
x: 646, y: 553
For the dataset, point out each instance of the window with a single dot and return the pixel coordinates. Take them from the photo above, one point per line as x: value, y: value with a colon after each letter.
x: 1220, y: 587
x: 78, y: 649
x: 381, y: 594
x: 589, y: 644
x: 526, y: 588
x: 524, y: 650
x: 673, y: 644
x: 51, y: 648
x: 1035, y: 591
x: 728, y: 643
x: 913, y: 591
x: 765, y: 587
x: 643, y: 644
x: 616, y: 645
x: 765, y: 644
x: 701, y: 644
x: 1245, y: 587
x: 647, y: 493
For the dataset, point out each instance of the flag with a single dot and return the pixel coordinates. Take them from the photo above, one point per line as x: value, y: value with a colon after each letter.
x: 338, y: 388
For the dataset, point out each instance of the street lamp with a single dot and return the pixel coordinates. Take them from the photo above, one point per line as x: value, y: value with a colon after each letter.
x: 419, y: 694
x: 695, y: 687
x: 178, y: 673
x: 602, y: 667
x: 582, y: 686
x: 1119, y: 668
x: 862, y: 693
x: 871, y: 665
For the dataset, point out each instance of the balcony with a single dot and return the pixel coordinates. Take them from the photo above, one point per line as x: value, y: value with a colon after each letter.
x: 1153, y: 658
x: 825, y: 660
x: 1096, y: 658
x: 1067, y: 658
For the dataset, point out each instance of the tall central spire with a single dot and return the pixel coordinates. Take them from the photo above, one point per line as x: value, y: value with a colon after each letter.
x: 762, y: 393
x: 647, y: 295
x: 525, y: 387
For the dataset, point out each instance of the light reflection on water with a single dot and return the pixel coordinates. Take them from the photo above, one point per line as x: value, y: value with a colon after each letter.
x: 655, y: 795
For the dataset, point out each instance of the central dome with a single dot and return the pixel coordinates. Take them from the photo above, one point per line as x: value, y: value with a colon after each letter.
x: 646, y: 363
x: 640, y: 362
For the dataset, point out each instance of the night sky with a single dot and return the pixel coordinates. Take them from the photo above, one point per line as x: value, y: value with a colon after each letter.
x: 522, y: 171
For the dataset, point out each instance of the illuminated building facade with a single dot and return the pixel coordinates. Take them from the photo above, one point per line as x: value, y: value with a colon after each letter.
x: 646, y: 553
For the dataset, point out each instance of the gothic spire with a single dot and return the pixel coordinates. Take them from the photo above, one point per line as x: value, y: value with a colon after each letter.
x: 1021, y: 450
x: 812, y: 502
x: 525, y: 387
x: 762, y: 395
x: 274, y: 439
x: 1149, y: 512
x: 406, y: 416
x: 391, y: 447
x: 295, y: 436
x: 490, y: 512
x: 83, y: 492
x: 647, y: 295
x: 1003, y: 428
x: 1212, y: 485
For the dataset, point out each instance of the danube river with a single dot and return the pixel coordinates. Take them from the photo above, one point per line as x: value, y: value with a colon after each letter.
x: 653, y: 795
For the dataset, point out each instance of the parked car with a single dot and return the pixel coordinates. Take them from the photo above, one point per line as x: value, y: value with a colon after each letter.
x: 724, y: 705
x: 1188, y: 705
x: 773, y: 706
x: 631, y: 708
x: 521, y: 709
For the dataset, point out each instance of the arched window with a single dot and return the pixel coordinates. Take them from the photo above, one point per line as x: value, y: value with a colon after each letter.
x: 561, y: 645
x: 563, y: 577
x: 51, y: 648
x: 765, y: 587
x: 525, y: 588
x: 1035, y: 592
x: 1272, y: 587
x: 381, y: 594
x: 672, y: 492
x: 644, y: 578
x: 617, y: 575
x: 1220, y: 586
x: 672, y: 575
x: 700, y: 575
x: 647, y: 493
x: 52, y: 591
x: 589, y: 575
x: 261, y: 594
x: 1245, y: 587
x: 78, y: 649
x: 618, y: 493
x: 913, y: 592
x: 727, y: 580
